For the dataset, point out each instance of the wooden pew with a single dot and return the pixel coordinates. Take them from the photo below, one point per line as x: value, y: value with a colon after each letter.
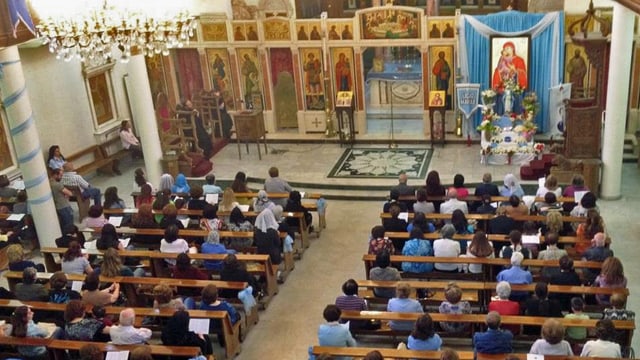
x: 484, y: 290
x: 437, y: 216
x: 89, y: 160
x: 467, y: 198
x: 59, y: 348
x: 476, y: 321
x: 492, y: 237
x: 488, y: 274
x: 256, y: 263
x: 230, y: 332
x: 473, y: 291
x: 287, y: 257
x: 359, y: 352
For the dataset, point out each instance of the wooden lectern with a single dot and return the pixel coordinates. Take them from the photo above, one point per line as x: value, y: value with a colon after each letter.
x: 249, y: 128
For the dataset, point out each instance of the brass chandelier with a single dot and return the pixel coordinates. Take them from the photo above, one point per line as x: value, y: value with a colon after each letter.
x: 92, y: 36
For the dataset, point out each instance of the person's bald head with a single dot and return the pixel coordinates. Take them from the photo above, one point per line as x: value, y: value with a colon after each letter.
x: 127, y: 317
x: 599, y: 239
x: 402, y: 178
x: 493, y: 320
x: 452, y: 193
x: 68, y: 166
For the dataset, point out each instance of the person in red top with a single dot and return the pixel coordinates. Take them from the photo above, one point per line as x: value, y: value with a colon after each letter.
x: 184, y: 270
x: 503, y: 306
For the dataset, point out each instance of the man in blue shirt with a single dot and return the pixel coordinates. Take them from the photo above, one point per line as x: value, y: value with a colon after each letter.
x: 494, y: 340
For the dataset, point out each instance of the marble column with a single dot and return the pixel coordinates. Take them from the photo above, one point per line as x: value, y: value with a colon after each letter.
x: 144, y: 117
x: 617, y: 100
x: 26, y: 141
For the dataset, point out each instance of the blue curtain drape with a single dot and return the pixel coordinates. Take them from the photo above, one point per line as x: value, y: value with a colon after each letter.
x: 547, y: 51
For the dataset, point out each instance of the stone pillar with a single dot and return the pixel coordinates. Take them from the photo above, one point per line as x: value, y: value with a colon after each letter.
x: 15, y: 99
x: 144, y: 116
x: 617, y: 100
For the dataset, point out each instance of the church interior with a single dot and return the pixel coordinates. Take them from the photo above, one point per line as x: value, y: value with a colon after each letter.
x: 486, y: 86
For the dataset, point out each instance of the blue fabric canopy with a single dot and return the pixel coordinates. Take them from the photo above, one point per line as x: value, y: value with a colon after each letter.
x: 547, y: 51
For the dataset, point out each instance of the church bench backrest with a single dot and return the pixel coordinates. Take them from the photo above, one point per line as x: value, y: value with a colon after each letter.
x: 359, y: 352
x: 369, y: 263
x: 231, y: 332
x: 469, y: 237
x: 256, y: 263
x: 477, y: 321
x: 538, y: 218
x: 60, y: 346
x: 479, y: 198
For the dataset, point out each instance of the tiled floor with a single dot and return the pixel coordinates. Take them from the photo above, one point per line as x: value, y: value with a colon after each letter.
x: 289, y: 325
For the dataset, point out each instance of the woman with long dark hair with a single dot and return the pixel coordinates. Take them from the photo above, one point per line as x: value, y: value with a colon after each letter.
x: 55, y: 159
x: 23, y: 326
x: 434, y: 188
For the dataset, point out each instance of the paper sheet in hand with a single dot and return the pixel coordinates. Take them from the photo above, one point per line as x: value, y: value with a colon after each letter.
x: 530, y: 239
x: 302, y: 193
x: 125, y: 242
x: 404, y: 216
x: 185, y: 222
x: 115, y: 220
x: 76, y: 285
x: 577, y: 196
x: 211, y: 198
x: 243, y: 208
x: 15, y: 217
x: 535, y: 357
x: 199, y: 326
x: 117, y: 355
x: 541, y: 182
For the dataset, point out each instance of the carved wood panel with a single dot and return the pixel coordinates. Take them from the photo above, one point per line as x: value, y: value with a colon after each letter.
x: 583, y: 132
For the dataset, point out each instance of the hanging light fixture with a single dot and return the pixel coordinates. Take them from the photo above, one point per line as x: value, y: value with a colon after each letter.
x: 92, y: 35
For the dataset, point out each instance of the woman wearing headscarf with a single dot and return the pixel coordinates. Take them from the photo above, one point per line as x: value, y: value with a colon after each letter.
x: 180, y: 186
x: 238, y: 222
x: 511, y: 187
x: 262, y: 202
x: 266, y: 236
x: 166, y: 182
x: 212, y: 245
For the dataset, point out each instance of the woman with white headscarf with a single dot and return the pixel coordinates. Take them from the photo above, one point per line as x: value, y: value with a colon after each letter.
x: 511, y: 187
x: 166, y: 182
x: 262, y: 202
x: 266, y: 236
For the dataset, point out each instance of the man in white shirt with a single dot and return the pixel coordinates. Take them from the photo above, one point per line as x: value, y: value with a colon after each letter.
x: 125, y: 333
x: 449, y: 206
x: 446, y: 247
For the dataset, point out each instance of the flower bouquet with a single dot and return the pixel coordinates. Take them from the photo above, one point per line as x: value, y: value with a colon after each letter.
x: 488, y: 96
x: 539, y: 149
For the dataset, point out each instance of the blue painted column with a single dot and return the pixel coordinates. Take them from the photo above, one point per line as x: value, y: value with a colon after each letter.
x: 15, y: 99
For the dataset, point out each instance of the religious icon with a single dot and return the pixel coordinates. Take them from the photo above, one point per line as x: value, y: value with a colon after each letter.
x: 238, y: 34
x: 313, y: 74
x: 441, y: 60
x: 448, y: 31
x: 509, y: 62
x: 344, y: 98
x: 577, y: 67
x: 343, y: 65
x: 220, y: 79
x: 251, y: 33
x: 434, y: 33
x: 436, y: 98
x: 346, y: 33
x: 302, y: 33
x: 250, y: 75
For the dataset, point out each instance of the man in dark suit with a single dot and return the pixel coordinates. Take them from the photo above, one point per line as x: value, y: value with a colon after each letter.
x: 494, y: 340
x: 487, y: 187
x: 403, y: 189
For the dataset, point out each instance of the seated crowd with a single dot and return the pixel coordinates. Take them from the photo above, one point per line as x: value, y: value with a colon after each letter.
x: 527, y: 240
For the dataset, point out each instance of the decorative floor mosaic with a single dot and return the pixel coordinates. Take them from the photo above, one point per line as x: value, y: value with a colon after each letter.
x: 382, y: 163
